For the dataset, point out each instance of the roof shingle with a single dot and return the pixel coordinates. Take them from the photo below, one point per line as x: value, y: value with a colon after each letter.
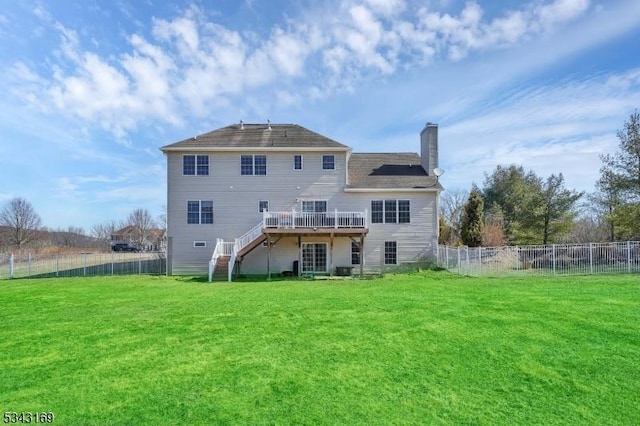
x: 388, y: 171
x: 258, y: 136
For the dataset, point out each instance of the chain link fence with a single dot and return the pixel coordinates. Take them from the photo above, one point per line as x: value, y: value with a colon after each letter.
x: 554, y: 259
x: 82, y: 264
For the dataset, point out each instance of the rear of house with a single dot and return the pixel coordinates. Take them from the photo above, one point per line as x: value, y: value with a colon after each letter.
x: 279, y: 198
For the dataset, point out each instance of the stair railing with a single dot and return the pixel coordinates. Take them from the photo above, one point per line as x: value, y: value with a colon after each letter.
x: 217, y: 252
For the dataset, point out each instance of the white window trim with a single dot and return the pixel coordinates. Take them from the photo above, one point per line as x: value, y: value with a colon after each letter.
x: 199, y: 212
x: 384, y: 210
x: 322, y: 162
x: 196, y: 164
x: 253, y: 164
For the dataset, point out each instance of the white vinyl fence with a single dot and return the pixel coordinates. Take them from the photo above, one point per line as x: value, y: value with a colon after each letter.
x: 82, y: 264
x: 554, y: 259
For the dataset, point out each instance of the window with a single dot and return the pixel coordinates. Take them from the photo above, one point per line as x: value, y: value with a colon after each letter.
x: 297, y: 162
x: 404, y: 211
x: 199, y: 243
x: 199, y: 212
x: 314, y: 206
x: 390, y: 211
x: 246, y: 165
x: 355, y: 253
x: 260, y: 162
x: 195, y: 165
x: 263, y: 206
x: 328, y: 162
x: 377, y: 212
x: 390, y: 252
x: 253, y: 165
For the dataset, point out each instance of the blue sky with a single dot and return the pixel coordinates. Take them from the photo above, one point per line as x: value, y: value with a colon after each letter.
x: 92, y: 89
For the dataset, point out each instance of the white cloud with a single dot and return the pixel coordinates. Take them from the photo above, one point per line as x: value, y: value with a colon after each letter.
x: 190, y: 64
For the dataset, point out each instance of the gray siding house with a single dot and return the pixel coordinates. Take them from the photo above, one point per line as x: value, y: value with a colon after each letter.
x: 279, y: 198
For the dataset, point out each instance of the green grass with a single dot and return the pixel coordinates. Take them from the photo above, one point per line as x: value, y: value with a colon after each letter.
x: 419, y: 348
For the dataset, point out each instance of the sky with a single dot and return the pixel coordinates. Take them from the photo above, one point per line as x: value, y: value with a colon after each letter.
x: 93, y: 88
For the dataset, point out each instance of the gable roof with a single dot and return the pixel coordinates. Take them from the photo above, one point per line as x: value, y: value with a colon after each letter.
x: 251, y: 136
x: 388, y: 171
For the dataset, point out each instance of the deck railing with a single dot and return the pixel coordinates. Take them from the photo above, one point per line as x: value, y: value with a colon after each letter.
x: 335, y: 219
x: 222, y: 249
x: 286, y: 220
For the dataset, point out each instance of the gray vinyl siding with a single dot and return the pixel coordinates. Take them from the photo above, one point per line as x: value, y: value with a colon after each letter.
x: 235, y: 197
x: 235, y: 209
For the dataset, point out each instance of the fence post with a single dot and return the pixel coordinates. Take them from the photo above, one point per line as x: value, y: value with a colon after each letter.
x: 629, y: 256
x: 57, y: 265
x: 468, y: 265
x: 84, y: 264
x: 458, y: 259
x: 591, y: 258
x: 29, y: 264
x: 480, y: 260
x: 139, y: 262
x: 11, y: 260
x: 111, y: 262
x: 553, y: 254
x: 446, y: 252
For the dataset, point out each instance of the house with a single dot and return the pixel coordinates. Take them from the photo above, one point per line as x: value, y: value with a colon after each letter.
x: 149, y: 239
x: 279, y: 198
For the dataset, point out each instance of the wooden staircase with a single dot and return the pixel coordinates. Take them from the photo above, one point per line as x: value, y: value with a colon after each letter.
x: 222, y: 269
x: 253, y: 244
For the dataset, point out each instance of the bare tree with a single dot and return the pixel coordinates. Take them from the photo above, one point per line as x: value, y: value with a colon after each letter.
x: 452, y: 203
x: 22, y: 220
x: 104, y: 231
x: 142, y: 223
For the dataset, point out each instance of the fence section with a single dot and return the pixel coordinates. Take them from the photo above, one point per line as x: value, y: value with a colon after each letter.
x: 82, y: 264
x: 555, y: 259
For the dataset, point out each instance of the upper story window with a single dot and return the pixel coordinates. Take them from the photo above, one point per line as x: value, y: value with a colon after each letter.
x: 199, y: 212
x: 263, y: 206
x: 193, y: 165
x: 390, y: 211
x: 328, y: 162
x: 253, y: 165
x: 314, y: 206
x: 297, y: 162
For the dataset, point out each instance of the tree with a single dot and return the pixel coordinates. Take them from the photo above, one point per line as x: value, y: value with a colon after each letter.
x: 493, y: 228
x: 518, y: 195
x: 452, y: 205
x: 606, y: 199
x: 142, y: 223
x: 558, y: 211
x: 619, y: 184
x: 472, y: 219
x: 22, y: 220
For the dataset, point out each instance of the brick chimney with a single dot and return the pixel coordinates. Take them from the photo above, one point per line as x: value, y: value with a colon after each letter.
x: 429, y: 148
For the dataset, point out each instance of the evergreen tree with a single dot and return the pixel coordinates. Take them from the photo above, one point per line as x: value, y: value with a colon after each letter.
x: 619, y: 184
x: 472, y: 219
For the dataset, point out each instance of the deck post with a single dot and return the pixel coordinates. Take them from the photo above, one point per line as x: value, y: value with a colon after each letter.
x: 299, y: 255
x: 293, y: 218
x: 335, y: 223
x: 361, y: 254
x: 268, y: 259
x: 331, y: 255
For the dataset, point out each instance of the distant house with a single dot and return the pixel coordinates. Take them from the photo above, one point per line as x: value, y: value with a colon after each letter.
x: 152, y: 240
x: 279, y: 198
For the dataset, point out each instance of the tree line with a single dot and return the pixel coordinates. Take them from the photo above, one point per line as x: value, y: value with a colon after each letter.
x: 515, y: 206
x: 21, y: 229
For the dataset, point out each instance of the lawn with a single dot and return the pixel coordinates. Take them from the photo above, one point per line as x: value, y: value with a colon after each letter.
x: 428, y: 347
